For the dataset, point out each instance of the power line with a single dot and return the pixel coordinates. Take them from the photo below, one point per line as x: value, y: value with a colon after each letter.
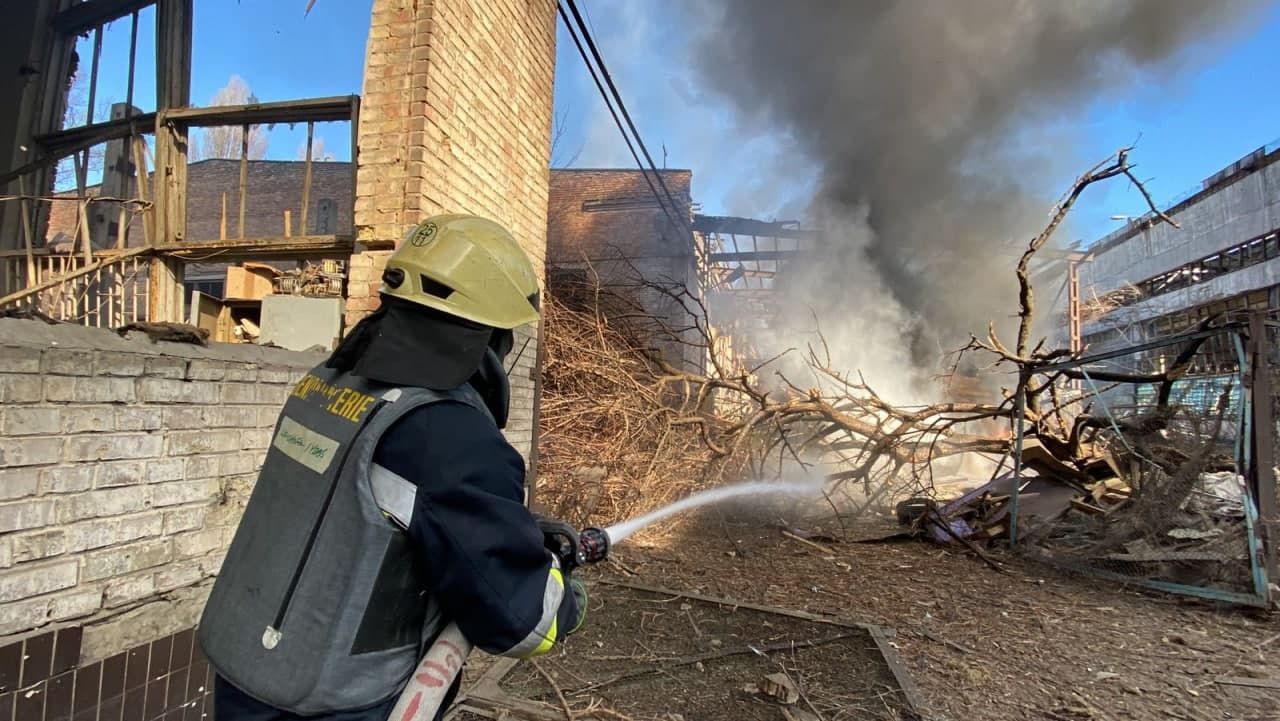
x: 604, y: 70
x: 682, y: 224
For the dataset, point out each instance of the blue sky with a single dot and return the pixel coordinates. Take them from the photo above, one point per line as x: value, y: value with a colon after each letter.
x: 1219, y: 106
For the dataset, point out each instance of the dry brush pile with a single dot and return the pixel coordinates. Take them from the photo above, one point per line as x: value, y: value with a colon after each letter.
x: 623, y: 431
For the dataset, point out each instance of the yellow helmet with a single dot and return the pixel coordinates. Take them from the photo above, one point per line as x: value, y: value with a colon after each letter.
x: 466, y: 266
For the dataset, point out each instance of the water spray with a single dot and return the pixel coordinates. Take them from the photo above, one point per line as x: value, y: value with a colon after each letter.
x: 434, y: 676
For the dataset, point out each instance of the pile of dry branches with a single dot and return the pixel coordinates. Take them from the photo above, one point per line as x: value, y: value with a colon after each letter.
x: 624, y: 430
x: 607, y: 448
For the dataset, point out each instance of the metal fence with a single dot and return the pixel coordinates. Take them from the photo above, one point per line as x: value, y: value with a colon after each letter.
x: 1173, y: 445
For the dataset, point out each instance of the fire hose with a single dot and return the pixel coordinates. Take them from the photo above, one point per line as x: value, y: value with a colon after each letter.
x: 440, y: 665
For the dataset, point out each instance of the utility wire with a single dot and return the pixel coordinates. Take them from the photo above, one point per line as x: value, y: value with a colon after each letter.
x: 681, y: 224
x: 604, y: 70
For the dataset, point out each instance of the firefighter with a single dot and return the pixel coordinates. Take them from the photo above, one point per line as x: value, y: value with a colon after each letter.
x: 389, y: 502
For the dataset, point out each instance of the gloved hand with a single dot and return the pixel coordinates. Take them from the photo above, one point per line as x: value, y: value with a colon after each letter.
x: 579, y: 589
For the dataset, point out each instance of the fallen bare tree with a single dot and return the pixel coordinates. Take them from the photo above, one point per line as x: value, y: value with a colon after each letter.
x: 626, y: 428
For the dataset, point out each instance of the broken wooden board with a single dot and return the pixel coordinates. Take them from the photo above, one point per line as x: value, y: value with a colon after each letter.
x: 640, y: 658
x: 1038, y: 458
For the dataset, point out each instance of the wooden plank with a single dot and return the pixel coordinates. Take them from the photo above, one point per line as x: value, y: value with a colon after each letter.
x: 121, y: 228
x: 173, y: 54
x: 93, y: 75
x: 22, y: 253
x: 205, y: 313
x: 25, y: 208
x: 140, y: 183
x: 1090, y: 509
x: 310, y: 246
x: 171, y: 183
x: 288, y: 223
x: 133, y: 63
x: 62, y: 143
x: 165, y: 290
x: 319, y: 110
x: 244, y: 173
x: 51, y: 282
x: 306, y: 179
x: 85, y: 240
x: 222, y: 223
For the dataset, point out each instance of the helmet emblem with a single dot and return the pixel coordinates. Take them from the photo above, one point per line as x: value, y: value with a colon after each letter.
x: 423, y: 235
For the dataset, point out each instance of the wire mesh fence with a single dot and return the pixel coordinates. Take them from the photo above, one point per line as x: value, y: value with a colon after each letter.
x: 1166, y: 488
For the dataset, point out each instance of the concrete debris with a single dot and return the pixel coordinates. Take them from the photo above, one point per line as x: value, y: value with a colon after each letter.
x: 780, y: 688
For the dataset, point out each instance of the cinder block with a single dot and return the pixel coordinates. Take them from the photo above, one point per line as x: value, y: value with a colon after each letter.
x: 166, y: 367
x: 235, y: 417
x: 19, y: 583
x: 113, y: 447
x: 92, y: 534
x: 267, y: 417
x: 23, y: 615
x: 140, y: 525
x: 114, y: 475
x: 165, y: 469
x: 88, y: 419
x: 188, y: 518
x: 19, y: 359
x: 19, y: 389
x: 185, y: 443
x: 138, y: 419
x: 255, y: 439
x: 179, y: 492
x: 202, y: 466
x: 234, y: 464
x: 198, y: 543
x: 273, y: 374
x: 272, y: 395
x: 165, y: 390
x: 66, y: 479
x: 18, y: 483
x: 178, y: 576
x: 206, y: 370
x: 109, y: 363
x: 58, y: 361
x: 127, y: 590
x: 76, y: 604
x: 42, y: 544
x: 241, y: 372
x: 16, y: 452
x: 239, y: 393
x: 184, y: 417
x: 211, y: 564
x: 89, y: 390
x: 104, y: 503
x: 121, y: 560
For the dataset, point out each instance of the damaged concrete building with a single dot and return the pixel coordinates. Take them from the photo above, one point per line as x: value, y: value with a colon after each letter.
x: 1149, y: 280
x: 124, y: 463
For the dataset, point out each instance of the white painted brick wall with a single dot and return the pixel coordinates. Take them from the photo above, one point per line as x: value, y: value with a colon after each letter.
x: 124, y: 467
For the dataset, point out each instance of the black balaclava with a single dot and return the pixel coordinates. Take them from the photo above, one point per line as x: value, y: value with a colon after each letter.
x: 406, y: 344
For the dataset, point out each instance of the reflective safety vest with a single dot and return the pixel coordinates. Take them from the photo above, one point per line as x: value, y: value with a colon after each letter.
x: 320, y: 605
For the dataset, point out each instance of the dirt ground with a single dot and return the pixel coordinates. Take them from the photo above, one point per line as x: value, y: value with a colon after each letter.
x: 1030, y: 642
x: 648, y: 653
